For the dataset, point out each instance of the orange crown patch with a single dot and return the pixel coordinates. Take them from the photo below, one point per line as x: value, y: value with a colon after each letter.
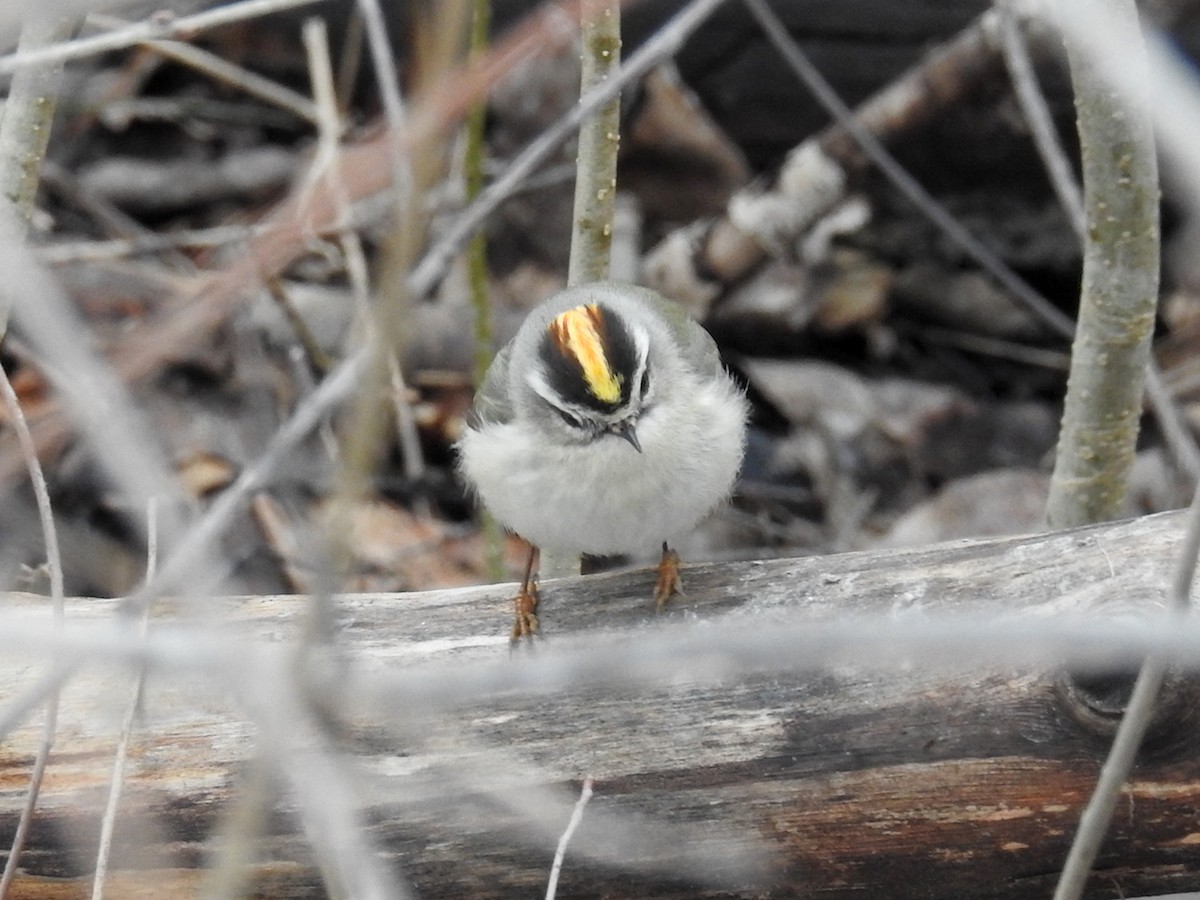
x: 577, y: 333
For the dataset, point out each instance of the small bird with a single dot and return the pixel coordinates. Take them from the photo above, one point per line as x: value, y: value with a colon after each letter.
x: 608, y: 424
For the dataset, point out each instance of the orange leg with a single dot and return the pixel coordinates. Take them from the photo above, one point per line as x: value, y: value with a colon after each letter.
x: 669, y: 582
x: 525, y: 624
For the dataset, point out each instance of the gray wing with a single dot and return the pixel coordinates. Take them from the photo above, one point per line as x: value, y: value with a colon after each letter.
x: 491, y: 402
x: 699, y: 349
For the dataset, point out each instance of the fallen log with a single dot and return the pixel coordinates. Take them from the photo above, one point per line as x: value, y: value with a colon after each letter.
x: 910, y: 781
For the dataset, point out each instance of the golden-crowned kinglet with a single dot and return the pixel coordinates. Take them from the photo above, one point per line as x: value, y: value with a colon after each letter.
x: 606, y: 425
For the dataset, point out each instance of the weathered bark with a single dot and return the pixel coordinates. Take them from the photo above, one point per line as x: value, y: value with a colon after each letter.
x: 904, y: 784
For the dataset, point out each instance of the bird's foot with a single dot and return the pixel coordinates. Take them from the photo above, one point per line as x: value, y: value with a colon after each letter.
x: 525, y: 621
x: 670, y: 582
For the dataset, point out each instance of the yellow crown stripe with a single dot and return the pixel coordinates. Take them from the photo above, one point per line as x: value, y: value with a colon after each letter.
x: 577, y: 333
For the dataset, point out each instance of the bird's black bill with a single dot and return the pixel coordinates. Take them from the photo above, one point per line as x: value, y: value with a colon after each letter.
x: 626, y: 430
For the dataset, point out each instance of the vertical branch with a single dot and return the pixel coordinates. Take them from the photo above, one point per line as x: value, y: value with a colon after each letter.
x: 1109, y: 359
x: 596, y: 166
x: 25, y: 128
x: 439, y: 42
x: 595, y: 175
x: 1120, y: 286
x: 477, y: 269
x: 24, y: 135
x: 41, y: 493
x: 473, y: 175
x: 1037, y: 117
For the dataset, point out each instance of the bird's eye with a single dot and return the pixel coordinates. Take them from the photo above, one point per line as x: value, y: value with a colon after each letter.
x: 570, y: 418
x: 644, y: 388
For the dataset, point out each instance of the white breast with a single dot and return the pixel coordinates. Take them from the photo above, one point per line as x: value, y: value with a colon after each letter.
x: 606, y: 498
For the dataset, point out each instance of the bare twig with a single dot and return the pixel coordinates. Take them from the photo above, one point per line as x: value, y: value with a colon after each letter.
x: 599, y: 138
x: 237, y: 841
x: 695, y: 263
x: 317, y: 47
x: 96, y: 251
x: 1139, y: 712
x: 109, y: 820
x: 419, y: 163
x: 25, y: 127
x: 1093, y: 824
x: 341, y: 383
x: 473, y: 160
x: 595, y: 182
x: 1100, y: 81
x: 477, y: 270
x: 692, y: 653
x: 665, y: 43
x: 934, y: 211
x: 1177, y: 436
x: 413, y: 458
x: 1183, y: 448
x: 1180, y: 442
x: 123, y: 444
x: 585, y: 794
x: 293, y: 740
x: 150, y: 29
x: 1037, y: 116
x: 33, y: 696
x: 239, y: 77
x: 384, y: 63
x: 41, y: 492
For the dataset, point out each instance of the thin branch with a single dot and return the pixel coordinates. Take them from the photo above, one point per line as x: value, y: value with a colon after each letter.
x: 108, y: 821
x: 16, y: 418
x: 585, y: 794
x: 1176, y: 436
x: 237, y: 841
x: 934, y: 211
x: 41, y: 493
x: 599, y: 139
x: 440, y: 39
x: 293, y: 741
x: 1139, y: 712
x: 117, y: 433
x: 474, y: 152
x: 694, y: 653
x: 473, y: 158
x: 1097, y: 815
x: 1093, y: 824
x: 664, y: 44
x: 119, y: 248
x: 595, y: 182
x: 317, y: 47
x: 219, y: 69
x: 21, y: 706
x: 154, y: 27
x: 1183, y: 447
x: 25, y: 127
x: 384, y: 63
x: 407, y: 435
x: 1037, y: 117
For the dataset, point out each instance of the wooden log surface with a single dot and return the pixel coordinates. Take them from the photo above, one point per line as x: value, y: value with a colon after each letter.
x: 850, y: 781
